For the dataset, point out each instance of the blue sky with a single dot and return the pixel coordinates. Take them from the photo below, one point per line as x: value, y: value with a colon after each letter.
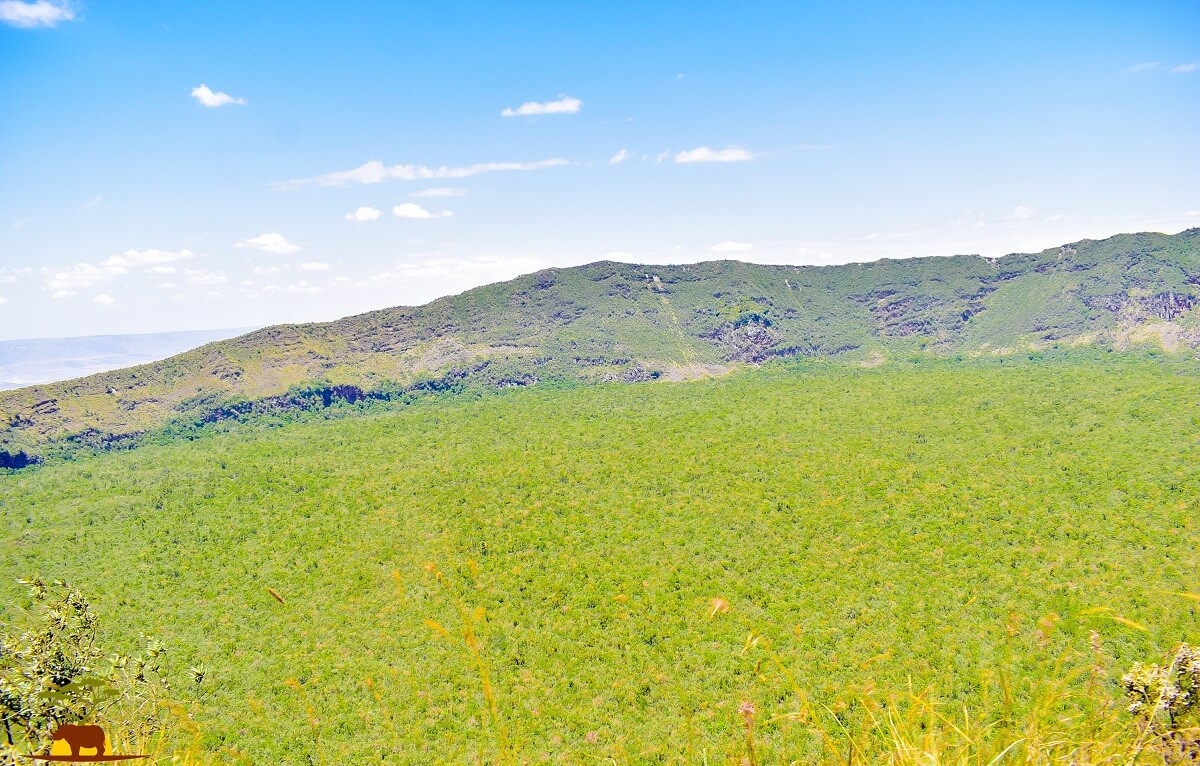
x: 171, y: 166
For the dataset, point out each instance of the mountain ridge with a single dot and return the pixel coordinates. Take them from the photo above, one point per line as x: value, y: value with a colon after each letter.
x: 611, y: 321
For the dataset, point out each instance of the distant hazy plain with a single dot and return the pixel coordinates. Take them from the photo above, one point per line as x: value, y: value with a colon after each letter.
x: 44, y: 360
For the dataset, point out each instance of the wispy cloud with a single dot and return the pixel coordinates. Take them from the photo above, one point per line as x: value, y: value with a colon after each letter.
x: 705, y: 154
x: 375, y: 172
x: 440, y: 191
x: 42, y: 13
x: 303, y: 287
x: 478, y: 270
x: 364, y: 214
x: 1147, y: 66
x: 314, y: 266
x: 732, y: 247
x: 207, y: 97
x: 91, y: 202
x: 619, y: 157
x: 204, y: 277
x: 296, y: 288
x: 134, y: 258
x: 104, y: 300
x: 270, y: 243
x: 66, y: 280
x: 563, y: 105
x: 1022, y: 212
x: 413, y: 210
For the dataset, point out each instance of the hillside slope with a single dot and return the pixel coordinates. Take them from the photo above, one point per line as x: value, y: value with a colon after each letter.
x: 615, y: 321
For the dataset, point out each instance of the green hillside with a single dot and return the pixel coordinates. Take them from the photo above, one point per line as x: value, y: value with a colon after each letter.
x: 957, y: 526
x: 620, y: 322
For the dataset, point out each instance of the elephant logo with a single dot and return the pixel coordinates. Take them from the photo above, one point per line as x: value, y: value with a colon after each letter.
x: 78, y: 737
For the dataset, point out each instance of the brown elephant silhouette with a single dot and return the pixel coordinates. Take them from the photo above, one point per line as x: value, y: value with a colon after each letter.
x: 79, y: 736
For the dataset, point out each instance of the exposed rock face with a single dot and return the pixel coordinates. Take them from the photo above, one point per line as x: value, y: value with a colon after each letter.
x: 1168, y: 305
x: 753, y: 341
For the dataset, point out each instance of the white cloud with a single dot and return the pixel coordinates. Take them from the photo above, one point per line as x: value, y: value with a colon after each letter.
x: 563, y: 105
x: 207, y: 97
x: 413, y: 210
x: 1186, y: 68
x: 92, y: 202
x: 42, y: 13
x: 63, y: 294
x: 732, y: 247
x: 81, y: 275
x: 375, y: 172
x: 3, y: 300
x: 261, y: 271
x: 133, y: 258
x: 104, y: 300
x: 1021, y: 212
x: 1193, y: 214
x: 1145, y: 66
x: 165, y: 286
x: 705, y: 154
x: 1054, y: 218
x: 270, y: 243
x: 161, y: 270
x: 7, y: 279
x: 440, y: 191
x: 619, y: 157
x: 363, y: 214
x: 204, y: 277
x: 314, y: 266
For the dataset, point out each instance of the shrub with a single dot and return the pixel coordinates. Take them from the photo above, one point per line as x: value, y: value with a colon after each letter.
x: 53, y: 673
x: 1164, y: 694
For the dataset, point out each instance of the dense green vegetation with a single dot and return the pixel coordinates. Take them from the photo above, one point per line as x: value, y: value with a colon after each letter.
x: 962, y: 527
x: 614, y: 321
